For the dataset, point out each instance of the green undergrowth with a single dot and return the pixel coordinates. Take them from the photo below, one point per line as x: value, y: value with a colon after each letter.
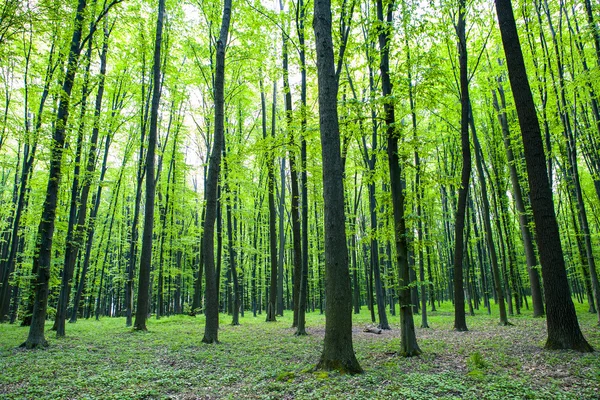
x: 104, y: 360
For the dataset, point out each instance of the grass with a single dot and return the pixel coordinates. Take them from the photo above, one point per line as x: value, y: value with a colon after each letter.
x: 105, y: 360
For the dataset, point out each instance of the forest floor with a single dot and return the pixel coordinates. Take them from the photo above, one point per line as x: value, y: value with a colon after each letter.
x: 104, y: 360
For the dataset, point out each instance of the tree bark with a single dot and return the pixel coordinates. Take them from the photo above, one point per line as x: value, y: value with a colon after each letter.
x: 141, y: 313
x: 270, y: 161
x: 460, y: 323
x: 524, y: 219
x: 211, y: 297
x: 563, y: 327
x: 408, y: 343
x: 487, y: 226
x: 42, y: 260
x: 338, y: 353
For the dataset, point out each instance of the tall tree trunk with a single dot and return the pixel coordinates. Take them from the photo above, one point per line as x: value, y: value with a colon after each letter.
x: 460, y: 323
x: 141, y: 171
x: 303, y: 288
x: 270, y: 161
x: 563, y: 327
x: 281, y: 256
x: 77, y: 214
x: 214, y: 166
x: 487, y: 226
x: 141, y: 313
x: 338, y: 353
x: 408, y: 342
x: 42, y: 259
x: 29, y: 149
x: 295, y: 192
x: 420, y: 192
x: 230, y: 243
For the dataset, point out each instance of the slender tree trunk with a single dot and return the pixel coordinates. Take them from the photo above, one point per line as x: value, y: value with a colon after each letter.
x: 281, y: 256
x: 214, y: 166
x: 408, y: 342
x: 295, y: 192
x: 146, y: 256
x: 303, y: 277
x: 230, y: 243
x: 487, y: 226
x: 524, y: 219
x: 141, y: 171
x: 419, y: 191
x: 270, y: 161
x: 42, y: 259
x: 460, y: 323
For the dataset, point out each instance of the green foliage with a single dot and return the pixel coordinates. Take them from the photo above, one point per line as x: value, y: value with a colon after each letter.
x: 476, y: 361
x: 286, y: 376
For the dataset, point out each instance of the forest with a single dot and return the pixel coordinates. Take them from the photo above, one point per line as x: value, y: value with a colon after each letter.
x: 299, y: 199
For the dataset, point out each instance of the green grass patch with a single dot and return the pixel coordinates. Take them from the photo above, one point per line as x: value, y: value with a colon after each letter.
x: 105, y: 360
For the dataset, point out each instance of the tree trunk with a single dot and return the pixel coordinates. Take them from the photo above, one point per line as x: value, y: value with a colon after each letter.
x: 230, y: 243
x: 487, y: 226
x: 563, y: 327
x: 76, y: 215
x: 303, y: 288
x: 42, y: 260
x: 338, y: 353
x: 408, y: 343
x: 460, y: 323
x: 524, y: 219
x: 295, y: 192
x: 141, y: 313
x: 214, y: 166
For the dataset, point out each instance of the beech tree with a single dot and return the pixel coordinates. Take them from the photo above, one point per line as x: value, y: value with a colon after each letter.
x: 338, y: 353
x: 563, y: 327
x: 214, y: 167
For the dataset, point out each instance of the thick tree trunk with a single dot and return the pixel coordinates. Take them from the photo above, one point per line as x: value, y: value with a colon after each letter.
x: 338, y: 353
x: 563, y: 327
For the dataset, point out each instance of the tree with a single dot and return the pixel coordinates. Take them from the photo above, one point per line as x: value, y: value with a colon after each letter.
x: 270, y: 161
x: 208, y: 242
x: 460, y: 323
x: 563, y: 327
x: 146, y: 257
x: 43, y: 253
x: 408, y: 342
x: 338, y: 353
x: 303, y: 276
